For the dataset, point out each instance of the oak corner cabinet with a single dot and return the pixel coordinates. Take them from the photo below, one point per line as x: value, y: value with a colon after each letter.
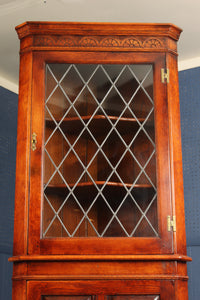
x: 99, y: 208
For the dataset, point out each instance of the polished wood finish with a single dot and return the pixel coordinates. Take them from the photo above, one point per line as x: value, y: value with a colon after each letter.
x: 22, y: 161
x: 103, y: 246
x: 164, y: 289
x: 57, y: 266
x: 176, y: 163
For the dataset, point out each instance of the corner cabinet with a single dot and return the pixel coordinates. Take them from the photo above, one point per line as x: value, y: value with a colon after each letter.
x: 99, y: 209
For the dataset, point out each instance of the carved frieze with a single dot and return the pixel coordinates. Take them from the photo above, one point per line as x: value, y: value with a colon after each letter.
x: 100, y: 42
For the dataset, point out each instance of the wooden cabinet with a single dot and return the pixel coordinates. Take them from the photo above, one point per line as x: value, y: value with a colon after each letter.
x: 99, y: 195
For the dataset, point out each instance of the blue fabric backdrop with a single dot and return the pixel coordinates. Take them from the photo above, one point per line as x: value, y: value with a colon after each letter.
x: 190, y: 123
x: 8, y: 134
x: 189, y: 84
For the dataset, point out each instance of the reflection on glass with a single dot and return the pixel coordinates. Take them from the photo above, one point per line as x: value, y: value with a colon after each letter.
x: 99, y: 159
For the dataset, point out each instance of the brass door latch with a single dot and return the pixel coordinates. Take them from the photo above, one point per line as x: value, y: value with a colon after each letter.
x: 34, y: 141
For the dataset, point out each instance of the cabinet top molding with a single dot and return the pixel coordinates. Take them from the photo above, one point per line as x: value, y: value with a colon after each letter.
x: 98, y: 36
x: 80, y: 28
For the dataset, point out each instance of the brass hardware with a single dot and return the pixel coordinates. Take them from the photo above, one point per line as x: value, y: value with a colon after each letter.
x: 34, y: 141
x: 171, y: 223
x: 165, y: 75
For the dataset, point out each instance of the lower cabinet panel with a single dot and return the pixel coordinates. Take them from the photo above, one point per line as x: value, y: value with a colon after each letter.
x: 102, y: 290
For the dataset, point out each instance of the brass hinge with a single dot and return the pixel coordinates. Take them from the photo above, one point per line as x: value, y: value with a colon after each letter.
x: 165, y: 75
x: 171, y: 223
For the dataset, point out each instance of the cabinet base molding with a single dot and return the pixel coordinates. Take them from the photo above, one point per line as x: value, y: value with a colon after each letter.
x: 175, y: 257
x: 103, y: 277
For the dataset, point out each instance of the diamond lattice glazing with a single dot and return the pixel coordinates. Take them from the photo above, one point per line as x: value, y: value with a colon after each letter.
x: 99, y: 166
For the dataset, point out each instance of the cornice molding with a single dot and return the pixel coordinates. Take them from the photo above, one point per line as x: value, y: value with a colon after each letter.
x: 69, y: 36
x: 92, y: 29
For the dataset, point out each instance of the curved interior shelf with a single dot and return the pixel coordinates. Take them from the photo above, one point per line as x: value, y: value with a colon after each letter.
x: 100, y: 208
x: 89, y: 187
x: 98, y: 124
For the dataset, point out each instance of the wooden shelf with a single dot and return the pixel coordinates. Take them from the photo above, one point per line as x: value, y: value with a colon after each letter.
x: 98, y: 125
x: 88, y: 187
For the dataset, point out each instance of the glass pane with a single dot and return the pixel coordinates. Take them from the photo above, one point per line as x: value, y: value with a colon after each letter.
x: 99, y: 153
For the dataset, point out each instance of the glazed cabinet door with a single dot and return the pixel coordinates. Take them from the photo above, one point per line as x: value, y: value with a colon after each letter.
x: 100, y: 181
x: 105, y: 290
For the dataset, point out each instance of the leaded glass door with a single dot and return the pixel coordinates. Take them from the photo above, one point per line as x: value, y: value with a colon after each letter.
x: 99, y: 167
x: 100, y: 170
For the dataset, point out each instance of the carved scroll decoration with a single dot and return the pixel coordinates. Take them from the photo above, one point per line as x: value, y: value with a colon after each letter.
x: 152, y: 43
x: 98, y: 42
